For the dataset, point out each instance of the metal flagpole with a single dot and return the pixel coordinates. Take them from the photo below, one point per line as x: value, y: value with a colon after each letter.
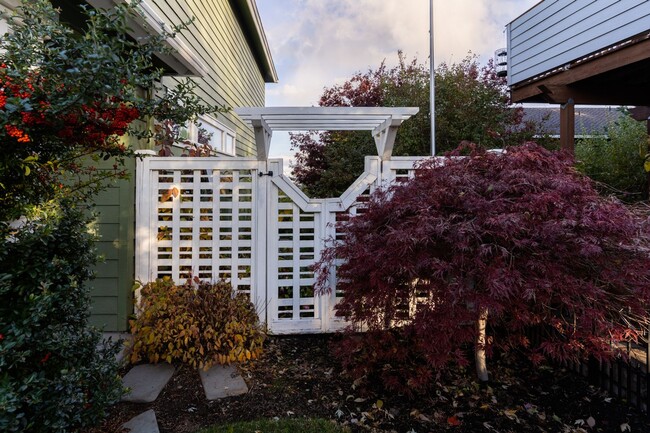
x: 432, y: 87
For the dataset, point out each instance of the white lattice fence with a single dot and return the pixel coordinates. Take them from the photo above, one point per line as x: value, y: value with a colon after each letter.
x: 196, y: 218
x: 242, y: 220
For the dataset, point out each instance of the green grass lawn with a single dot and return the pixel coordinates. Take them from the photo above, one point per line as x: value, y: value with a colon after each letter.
x: 280, y: 426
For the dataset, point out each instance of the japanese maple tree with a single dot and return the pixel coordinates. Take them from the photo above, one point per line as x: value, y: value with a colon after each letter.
x: 513, y: 240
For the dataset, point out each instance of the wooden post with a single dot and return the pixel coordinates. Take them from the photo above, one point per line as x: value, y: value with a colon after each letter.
x: 567, y: 126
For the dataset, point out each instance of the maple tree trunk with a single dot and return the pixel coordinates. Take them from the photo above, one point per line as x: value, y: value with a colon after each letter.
x: 479, y: 354
x: 648, y: 152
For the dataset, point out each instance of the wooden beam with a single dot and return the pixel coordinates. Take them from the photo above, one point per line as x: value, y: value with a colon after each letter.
x: 567, y: 126
x: 640, y: 113
x: 581, y: 70
x: 560, y: 94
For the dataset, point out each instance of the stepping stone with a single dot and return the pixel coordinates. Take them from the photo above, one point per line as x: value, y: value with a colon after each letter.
x: 146, y: 381
x: 143, y: 423
x: 222, y: 381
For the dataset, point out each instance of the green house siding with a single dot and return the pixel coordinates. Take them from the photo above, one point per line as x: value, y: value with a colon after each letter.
x: 111, y: 289
x: 232, y: 78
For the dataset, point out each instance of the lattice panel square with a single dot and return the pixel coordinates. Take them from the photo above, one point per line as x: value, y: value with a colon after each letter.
x: 402, y: 174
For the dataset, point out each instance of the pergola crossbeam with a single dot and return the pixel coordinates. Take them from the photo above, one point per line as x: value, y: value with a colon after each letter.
x: 383, y: 122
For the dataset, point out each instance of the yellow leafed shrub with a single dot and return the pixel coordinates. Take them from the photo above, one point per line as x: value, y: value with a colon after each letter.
x: 199, y: 325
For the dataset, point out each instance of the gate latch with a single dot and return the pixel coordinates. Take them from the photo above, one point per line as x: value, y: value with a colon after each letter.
x: 268, y: 173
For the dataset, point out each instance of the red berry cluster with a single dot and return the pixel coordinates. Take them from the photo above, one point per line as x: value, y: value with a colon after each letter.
x: 95, y: 125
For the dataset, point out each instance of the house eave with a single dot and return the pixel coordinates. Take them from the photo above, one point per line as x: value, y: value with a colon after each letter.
x: 604, y: 77
x: 182, y: 60
x: 251, y: 23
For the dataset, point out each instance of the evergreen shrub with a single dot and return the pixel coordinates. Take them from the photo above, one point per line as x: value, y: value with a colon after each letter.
x: 52, y: 377
x: 616, y: 160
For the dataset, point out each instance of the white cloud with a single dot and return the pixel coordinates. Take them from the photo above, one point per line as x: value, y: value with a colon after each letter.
x: 319, y: 43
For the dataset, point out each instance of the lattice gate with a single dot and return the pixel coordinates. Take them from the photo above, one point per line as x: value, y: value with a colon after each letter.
x: 242, y: 220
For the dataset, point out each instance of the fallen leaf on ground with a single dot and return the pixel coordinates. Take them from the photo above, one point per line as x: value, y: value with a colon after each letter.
x: 530, y: 408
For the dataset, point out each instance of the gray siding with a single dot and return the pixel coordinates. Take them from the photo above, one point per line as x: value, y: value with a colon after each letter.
x: 234, y: 78
x: 556, y: 32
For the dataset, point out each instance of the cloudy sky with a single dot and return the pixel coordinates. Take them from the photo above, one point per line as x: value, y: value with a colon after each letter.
x: 319, y: 43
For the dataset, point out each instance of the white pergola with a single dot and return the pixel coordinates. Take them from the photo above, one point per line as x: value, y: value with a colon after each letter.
x: 383, y: 122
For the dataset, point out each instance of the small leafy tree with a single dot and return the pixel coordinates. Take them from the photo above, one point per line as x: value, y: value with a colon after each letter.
x: 198, y: 323
x: 512, y: 241
x: 66, y: 98
x: 616, y: 160
x: 472, y: 103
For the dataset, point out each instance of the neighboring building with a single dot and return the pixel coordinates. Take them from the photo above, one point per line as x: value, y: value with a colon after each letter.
x: 580, y: 52
x: 226, y: 53
x: 589, y: 121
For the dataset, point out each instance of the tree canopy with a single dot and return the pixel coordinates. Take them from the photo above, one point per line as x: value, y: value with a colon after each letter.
x: 472, y: 104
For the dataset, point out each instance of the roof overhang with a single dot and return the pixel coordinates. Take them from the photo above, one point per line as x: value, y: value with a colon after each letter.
x: 251, y: 24
x: 182, y: 60
x: 615, y: 75
x: 640, y: 113
x: 383, y: 122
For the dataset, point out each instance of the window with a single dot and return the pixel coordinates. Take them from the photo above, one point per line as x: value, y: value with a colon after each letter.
x: 208, y: 131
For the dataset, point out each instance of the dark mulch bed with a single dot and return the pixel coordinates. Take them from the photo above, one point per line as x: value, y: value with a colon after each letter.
x: 298, y: 378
